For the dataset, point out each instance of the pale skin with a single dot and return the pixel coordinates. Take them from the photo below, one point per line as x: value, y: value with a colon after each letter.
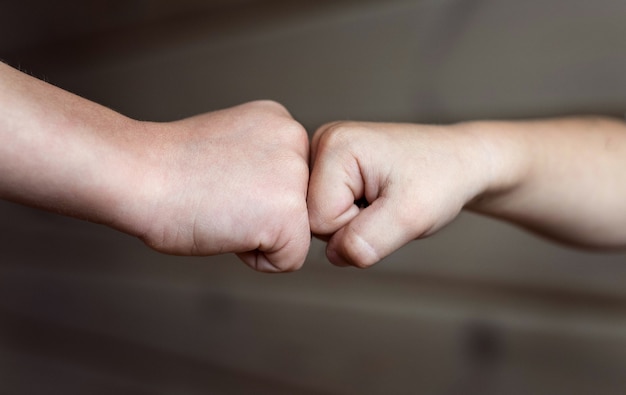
x: 562, y: 178
x: 233, y: 180
x: 236, y: 180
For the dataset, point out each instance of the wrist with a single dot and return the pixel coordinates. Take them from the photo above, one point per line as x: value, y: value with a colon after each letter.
x: 503, y: 156
x: 131, y: 182
x: 66, y: 154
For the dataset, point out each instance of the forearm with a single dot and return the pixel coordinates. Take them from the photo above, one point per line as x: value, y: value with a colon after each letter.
x: 564, y: 178
x: 60, y: 152
x: 233, y: 180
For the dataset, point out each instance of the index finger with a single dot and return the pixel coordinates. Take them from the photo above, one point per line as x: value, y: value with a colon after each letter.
x: 335, y: 182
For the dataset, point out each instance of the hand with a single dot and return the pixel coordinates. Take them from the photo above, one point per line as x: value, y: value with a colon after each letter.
x: 415, y: 178
x: 229, y: 181
x: 233, y: 180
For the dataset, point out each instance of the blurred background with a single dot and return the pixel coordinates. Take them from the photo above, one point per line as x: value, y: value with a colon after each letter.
x: 480, y: 308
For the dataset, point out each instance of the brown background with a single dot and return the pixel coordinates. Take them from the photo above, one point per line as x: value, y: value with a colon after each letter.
x: 482, y: 307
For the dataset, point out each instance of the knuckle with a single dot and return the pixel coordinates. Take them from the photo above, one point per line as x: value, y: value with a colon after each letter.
x: 270, y: 105
x: 268, y: 113
x: 337, y: 134
x: 294, y: 131
x: 286, y: 129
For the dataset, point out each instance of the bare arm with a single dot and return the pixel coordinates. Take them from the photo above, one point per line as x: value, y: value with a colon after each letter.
x: 563, y: 178
x: 233, y: 180
x: 61, y: 152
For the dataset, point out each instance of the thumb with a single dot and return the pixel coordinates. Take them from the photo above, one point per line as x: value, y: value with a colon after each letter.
x: 374, y: 233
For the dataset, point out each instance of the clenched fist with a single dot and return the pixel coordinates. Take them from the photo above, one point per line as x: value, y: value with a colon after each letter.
x: 376, y: 186
x: 236, y: 180
x: 413, y: 179
x: 233, y: 180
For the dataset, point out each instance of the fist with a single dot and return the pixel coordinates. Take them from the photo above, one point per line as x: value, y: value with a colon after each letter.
x: 233, y: 180
x: 374, y: 187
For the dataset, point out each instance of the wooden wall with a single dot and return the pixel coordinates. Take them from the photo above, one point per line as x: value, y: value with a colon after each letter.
x: 480, y: 308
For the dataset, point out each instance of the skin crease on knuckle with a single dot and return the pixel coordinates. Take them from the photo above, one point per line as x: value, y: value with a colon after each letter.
x: 332, y: 146
x: 285, y: 247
